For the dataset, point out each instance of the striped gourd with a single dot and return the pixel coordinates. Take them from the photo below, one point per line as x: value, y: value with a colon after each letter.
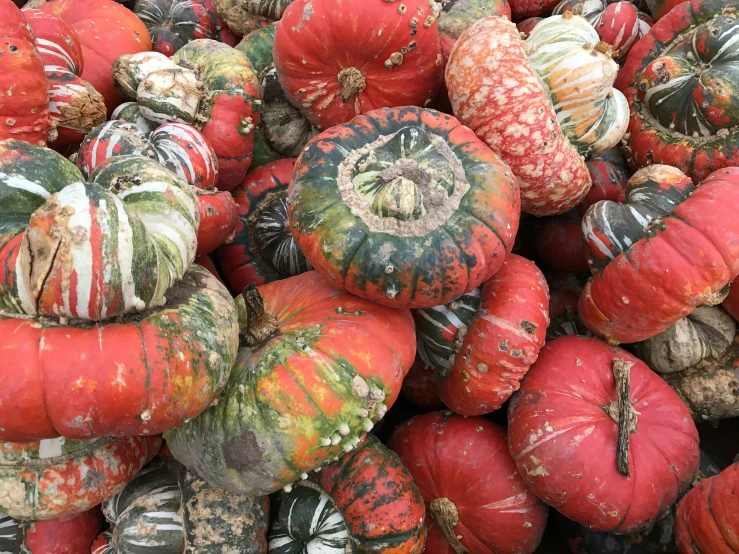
x: 9, y: 533
x: 578, y: 71
x: 180, y: 148
x: 610, y: 228
x: 166, y: 509
x: 130, y: 111
x: 243, y: 16
x: 437, y: 329
x: 92, y: 250
x: 308, y: 521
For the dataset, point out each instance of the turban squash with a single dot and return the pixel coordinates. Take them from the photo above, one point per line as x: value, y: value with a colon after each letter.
x: 319, y: 368
x: 206, y: 84
x: 483, y: 343
x: 69, y: 535
x: 25, y: 114
x: 113, y: 333
x: 335, y: 68
x: 364, y: 502
x: 660, y: 255
x: 58, y: 477
x: 590, y: 425
x: 679, y: 82
x: 475, y: 499
x: 404, y: 207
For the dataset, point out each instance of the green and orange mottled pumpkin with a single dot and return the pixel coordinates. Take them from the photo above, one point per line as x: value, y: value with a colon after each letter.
x: 403, y: 206
x: 366, y: 502
x: 319, y: 368
x: 681, y: 81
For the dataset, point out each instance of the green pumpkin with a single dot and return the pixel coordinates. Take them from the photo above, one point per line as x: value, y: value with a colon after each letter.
x: 167, y: 510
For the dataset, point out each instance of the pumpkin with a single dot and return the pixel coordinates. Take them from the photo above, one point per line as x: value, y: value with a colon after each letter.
x: 690, y: 252
x: 334, y: 70
x: 207, y: 262
x: 205, y: 84
x: 522, y: 9
x: 180, y: 148
x: 617, y: 23
x: 282, y: 131
x: 709, y: 388
x: 364, y: 502
x: 731, y: 302
x: 102, y: 384
x: 558, y: 242
x: 679, y: 84
x: 59, y: 477
x: 483, y: 343
x: 590, y: 424
x: 707, y: 519
x: 166, y: 508
x: 494, y: 88
x: 263, y: 249
x: 609, y: 175
x: 64, y: 535
x: 25, y: 114
x: 320, y: 367
x: 130, y: 112
x: 475, y: 499
x: 123, y: 33
x: 74, y: 105
x: 458, y: 15
x: 611, y: 227
x: 244, y: 16
x: 174, y: 23
x: 403, y: 206
x: 578, y: 70
x: 420, y: 386
x: 563, y: 315
x: 705, y: 334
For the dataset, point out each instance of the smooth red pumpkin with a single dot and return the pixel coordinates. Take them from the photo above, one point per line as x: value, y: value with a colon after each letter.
x: 217, y: 219
x: 685, y: 258
x: 707, y: 519
x: 63, y: 535
x: 106, y: 30
x: 421, y: 387
x: 558, y: 242
x: 563, y: 435
x: 476, y: 500
x: 337, y: 60
x: 24, y: 102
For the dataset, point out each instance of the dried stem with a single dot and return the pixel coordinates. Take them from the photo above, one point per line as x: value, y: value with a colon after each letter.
x: 445, y: 515
x: 260, y: 324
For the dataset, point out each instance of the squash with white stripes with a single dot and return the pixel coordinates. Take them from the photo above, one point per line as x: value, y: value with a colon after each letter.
x: 165, y: 508
x: 113, y: 331
x: 68, y: 535
x: 482, y: 344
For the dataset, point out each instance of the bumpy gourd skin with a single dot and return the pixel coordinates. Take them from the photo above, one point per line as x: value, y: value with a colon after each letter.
x: 403, y: 206
x: 495, y: 91
x: 304, y: 394
x: 681, y: 82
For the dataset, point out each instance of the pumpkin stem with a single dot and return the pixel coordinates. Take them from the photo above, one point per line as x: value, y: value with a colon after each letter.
x: 623, y: 413
x: 715, y: 298
x: 260, y: 324
x: 604, y: 48
x: 445, y: 515
x: 352, y: 82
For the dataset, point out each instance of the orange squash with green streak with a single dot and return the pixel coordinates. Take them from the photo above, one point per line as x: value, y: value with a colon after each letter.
x: 404, y: 207
x: 318, y: 368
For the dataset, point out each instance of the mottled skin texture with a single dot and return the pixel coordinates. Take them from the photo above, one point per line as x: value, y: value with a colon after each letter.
x: 165, y: 508
x: 375, y: 493
x: 496, y: 92
x: 649, y: 64
x: 397, y: 267
x: 308, y: 392
x: 502, y: 341
x: 684, y: 259
x: 64, y: 535
x: 79, y: 476
x: 458, y: 15
x: 92, y: 19
x: 466, y: 460
x: 394, y: 46
x: 564, y: 441
x: 143, y: 375
x: 174, y: 23
x: 244, y: 16
x: 24, y: 115
x: 707, y: 519
x: 257, y: 47
x: 242, y: 261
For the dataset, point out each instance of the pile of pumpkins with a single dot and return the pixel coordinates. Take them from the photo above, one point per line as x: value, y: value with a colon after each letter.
x: 369, y: 276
